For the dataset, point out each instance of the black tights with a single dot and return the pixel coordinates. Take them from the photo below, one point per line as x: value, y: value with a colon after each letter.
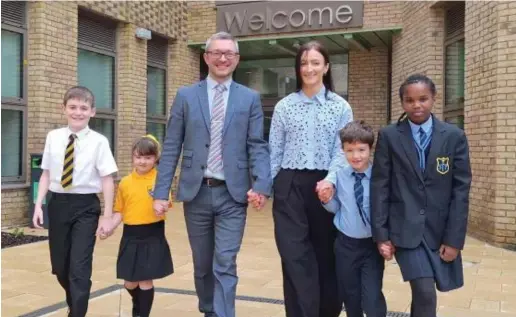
x: 424, y: 298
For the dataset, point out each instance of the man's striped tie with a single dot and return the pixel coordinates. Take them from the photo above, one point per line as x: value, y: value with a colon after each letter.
x: 67, y: 177
x: 217, y: 124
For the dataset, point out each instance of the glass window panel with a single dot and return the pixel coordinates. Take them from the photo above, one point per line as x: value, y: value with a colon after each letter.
x: 458, y: 120
x: 12, y: 142
x: 157, y: 130
x: 339, y: 72
x: 95, y: 71
x: 276, y: 78
x: 454, y: 80
x: 12, y: 68
x: 156, y: 88
x: 267, y: 120
x: 105, y: 127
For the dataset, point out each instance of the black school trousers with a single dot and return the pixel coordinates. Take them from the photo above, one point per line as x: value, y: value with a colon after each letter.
x: 360, y: 270
x: 73, y: 221
x: 305, y: 234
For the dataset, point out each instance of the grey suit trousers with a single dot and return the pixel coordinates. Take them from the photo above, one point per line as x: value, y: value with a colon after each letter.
x: 215, y: 223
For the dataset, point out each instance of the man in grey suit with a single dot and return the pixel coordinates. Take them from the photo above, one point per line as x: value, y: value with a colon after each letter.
x: 218, y: 125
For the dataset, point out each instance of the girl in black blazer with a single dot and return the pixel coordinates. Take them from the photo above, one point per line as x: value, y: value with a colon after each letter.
x: 419, y: 196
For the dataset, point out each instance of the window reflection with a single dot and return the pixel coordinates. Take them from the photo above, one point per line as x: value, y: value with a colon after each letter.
x: 276, y: 78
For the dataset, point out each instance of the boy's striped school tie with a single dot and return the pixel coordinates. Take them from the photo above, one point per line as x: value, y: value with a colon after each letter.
x: 67, y: 177
x: 359, y: 196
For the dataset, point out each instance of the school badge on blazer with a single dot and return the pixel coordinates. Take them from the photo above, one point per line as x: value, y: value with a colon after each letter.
x: 443, y: 165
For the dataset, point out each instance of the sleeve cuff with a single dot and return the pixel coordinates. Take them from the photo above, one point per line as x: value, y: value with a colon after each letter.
x: 332, y: 206
x: 381, y: 235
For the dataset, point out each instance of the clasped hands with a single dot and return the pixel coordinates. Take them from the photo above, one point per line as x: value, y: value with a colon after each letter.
x: 325, y: 190
x: 255, y: 199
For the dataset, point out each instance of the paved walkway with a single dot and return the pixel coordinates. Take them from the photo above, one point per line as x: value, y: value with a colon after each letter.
x: 28, y: 288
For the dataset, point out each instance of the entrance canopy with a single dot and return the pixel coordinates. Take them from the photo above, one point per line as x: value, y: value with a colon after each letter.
x: 286, y: 45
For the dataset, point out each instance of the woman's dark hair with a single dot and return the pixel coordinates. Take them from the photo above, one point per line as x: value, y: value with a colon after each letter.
x: 327, y: 78
x: 415, y: 79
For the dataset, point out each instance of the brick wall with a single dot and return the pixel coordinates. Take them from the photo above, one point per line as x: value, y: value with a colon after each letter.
x: 368, y: 86
x: 15, y: 206
x: 132, y: 94
x: 164, y: 17
x: 202, y: 20
x: 418, y: 49
x: 382, y: 14
x: 490, y: 119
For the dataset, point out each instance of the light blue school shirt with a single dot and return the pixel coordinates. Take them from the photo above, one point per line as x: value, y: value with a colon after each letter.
x: 344, y: 205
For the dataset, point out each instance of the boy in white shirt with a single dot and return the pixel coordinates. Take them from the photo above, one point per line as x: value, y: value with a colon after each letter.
x: 77, y: 165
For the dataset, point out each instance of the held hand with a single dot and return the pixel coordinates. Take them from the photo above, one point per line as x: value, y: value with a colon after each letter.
x: 326, y: 194
x: 256, y: 200
x: 447, y: 253
x: 386, y: 249
x: 160, y: 207
x: 325, y: 190
x: 105, y: 227
x: 37, y: 219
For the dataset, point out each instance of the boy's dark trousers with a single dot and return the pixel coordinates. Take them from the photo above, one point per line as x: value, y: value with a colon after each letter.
x: 73, y: 220
x: 360, y: 275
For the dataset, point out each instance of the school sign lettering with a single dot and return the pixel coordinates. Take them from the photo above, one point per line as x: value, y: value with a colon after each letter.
x: 262, y: 17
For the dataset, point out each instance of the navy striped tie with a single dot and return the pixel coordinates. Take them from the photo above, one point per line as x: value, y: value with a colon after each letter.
x: 359, y: 196
x: 423, y: 143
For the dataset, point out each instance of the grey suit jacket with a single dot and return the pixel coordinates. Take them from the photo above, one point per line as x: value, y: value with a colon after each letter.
x: 245, y: 153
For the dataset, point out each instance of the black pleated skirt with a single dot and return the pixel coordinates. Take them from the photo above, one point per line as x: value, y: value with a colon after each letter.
x: 144, y: 253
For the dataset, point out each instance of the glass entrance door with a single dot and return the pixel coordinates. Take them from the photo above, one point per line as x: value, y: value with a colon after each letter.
x: 276, y: 78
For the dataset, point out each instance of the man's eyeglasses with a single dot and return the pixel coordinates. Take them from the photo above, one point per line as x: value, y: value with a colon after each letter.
x: 217, y: 54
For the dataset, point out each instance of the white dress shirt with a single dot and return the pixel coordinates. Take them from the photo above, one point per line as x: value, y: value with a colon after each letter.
x: 92, y: 160
x: 211, y: 84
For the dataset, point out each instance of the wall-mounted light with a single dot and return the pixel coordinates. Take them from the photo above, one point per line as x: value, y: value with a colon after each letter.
x: 143, y: 34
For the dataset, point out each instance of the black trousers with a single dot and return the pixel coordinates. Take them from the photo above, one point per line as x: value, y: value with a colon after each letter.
x: 305, y: 235
x: 360, y: 274
x: 73, y: 220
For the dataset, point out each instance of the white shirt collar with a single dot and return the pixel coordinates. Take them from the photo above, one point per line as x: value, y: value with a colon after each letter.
x: 427, y: 126
x: 80, y: 134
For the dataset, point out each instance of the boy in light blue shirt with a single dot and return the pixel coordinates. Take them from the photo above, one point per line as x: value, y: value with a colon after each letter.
x: 359, y: 264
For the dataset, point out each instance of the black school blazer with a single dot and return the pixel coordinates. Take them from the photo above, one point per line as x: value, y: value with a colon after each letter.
x: 407, y: 204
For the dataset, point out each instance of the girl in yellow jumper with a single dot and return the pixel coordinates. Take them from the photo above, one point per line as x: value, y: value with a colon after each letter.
x: 144, y: 254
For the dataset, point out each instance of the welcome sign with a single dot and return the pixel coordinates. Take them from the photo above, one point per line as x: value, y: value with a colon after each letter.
x: 262, y: 17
